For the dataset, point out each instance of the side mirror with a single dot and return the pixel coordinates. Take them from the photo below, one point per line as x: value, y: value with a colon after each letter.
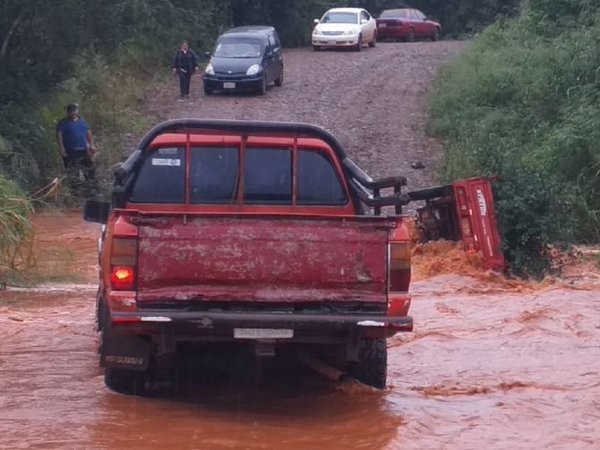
x: 207, y: 54
x: 95, y: 211
x: 269, y: 54
x: 363, y: 21
x: 316, y: 21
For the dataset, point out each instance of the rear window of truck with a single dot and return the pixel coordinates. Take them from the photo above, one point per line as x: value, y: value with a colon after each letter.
x: 318, y: 182
x: 215, y: 174
x: 268, y: 176
x: 161, y: 179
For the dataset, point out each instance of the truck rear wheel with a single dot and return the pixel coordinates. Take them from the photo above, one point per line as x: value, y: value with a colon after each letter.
x: 372, y: 366
x: 130, y: 382
x: 124, y: 381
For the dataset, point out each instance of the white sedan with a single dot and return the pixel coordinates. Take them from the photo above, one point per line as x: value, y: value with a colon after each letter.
x: 345, y: 27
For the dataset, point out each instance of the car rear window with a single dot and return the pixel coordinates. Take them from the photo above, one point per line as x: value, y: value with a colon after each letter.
x: 213, y: 174
x: 267, y: 176
x: 317, y: 180
x: 399, y: 14
x: 161, y: 179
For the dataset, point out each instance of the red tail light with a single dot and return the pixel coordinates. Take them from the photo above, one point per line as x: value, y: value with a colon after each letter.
x: 123, y: 259
x: 122, y: 278
x: 399, y: 267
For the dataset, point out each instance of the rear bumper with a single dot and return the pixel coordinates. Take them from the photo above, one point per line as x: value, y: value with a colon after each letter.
x: 133, y: 335
x: 215, y: 320
x: 392, y: 32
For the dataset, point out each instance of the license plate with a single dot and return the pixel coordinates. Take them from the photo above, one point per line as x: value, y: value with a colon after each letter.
x: 262, y: 333
x: 383, y: 25
x: 228, y: 85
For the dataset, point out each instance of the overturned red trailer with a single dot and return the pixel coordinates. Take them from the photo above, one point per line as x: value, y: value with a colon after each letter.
x: 462, y: 211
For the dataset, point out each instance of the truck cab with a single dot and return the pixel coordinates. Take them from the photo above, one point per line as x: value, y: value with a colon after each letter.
x: 263, y: 238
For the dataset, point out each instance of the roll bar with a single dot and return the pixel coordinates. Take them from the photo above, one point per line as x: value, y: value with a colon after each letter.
x: 366, y: 189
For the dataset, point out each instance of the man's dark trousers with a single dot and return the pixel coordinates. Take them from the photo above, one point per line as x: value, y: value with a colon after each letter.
x: 184, y: 82
x: 74, y: 162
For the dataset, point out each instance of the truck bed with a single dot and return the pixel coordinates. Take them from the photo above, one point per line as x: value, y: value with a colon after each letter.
x: 191, y: 260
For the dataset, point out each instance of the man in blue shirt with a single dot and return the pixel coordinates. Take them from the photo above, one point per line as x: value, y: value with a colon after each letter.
x: 76, y: 144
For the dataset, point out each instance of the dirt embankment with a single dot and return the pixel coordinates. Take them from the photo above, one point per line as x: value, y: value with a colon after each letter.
x: 374, y: 102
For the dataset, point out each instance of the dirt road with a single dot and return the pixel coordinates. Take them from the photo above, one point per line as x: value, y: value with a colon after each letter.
x: 374, y: 102
x: 492, y: 364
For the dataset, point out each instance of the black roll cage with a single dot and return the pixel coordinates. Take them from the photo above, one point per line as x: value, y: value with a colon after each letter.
x: 365, y: 189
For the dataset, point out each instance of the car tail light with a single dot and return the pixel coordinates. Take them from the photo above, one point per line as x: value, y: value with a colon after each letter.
x: 123, y: 261
x: 399, y: 266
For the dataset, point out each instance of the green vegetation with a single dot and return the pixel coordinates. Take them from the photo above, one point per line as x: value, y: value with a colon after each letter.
x: 523, y: 103
x: 15, y: 227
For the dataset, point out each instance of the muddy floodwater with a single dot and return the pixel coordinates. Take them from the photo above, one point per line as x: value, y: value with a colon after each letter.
x: 490, y: 365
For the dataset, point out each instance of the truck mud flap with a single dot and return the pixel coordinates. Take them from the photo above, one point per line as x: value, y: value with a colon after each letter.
x: 121, y: 351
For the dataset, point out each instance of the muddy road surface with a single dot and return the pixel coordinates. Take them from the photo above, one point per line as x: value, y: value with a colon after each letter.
x: 374, y: 102
x: 492, y: 364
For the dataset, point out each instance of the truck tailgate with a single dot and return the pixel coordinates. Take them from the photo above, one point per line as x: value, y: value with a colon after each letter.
x: 262, y: 259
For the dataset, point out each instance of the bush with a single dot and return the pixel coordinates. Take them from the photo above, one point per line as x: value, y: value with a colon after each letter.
x: 15, y: 226
x: 523, y: 102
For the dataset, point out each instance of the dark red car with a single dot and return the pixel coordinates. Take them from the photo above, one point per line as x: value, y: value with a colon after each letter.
x: 407, y: 24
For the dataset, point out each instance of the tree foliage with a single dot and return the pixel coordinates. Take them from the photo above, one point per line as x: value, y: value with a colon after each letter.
x: 524, y: 103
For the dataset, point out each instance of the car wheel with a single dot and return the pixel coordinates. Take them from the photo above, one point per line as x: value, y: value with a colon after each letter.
x: 263, y: 86
x: 411, y: 35
x: 279, y: 80
x: 372, y: 366
x: 129, y: 382
x: 316, y: 48
x: 373, y: 43
x: 207, y: 90
x: 358, y: 46
x: 436, y: 34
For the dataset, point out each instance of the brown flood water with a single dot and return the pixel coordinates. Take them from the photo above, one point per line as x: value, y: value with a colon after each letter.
x: 491, y: 364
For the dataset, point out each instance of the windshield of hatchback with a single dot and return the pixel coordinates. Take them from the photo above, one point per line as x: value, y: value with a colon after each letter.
x: 340, y: 17
x: 395, y: 14
x: 238, y: 48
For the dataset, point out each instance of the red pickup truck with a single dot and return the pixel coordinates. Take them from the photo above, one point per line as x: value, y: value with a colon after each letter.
x: 229, y: 236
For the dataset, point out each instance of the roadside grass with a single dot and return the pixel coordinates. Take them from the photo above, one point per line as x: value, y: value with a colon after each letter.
x: 16, y: 231
x: 523, y: 103
x: 109, y: 95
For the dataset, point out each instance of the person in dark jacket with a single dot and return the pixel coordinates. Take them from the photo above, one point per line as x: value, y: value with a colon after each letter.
x: 184, y: 65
